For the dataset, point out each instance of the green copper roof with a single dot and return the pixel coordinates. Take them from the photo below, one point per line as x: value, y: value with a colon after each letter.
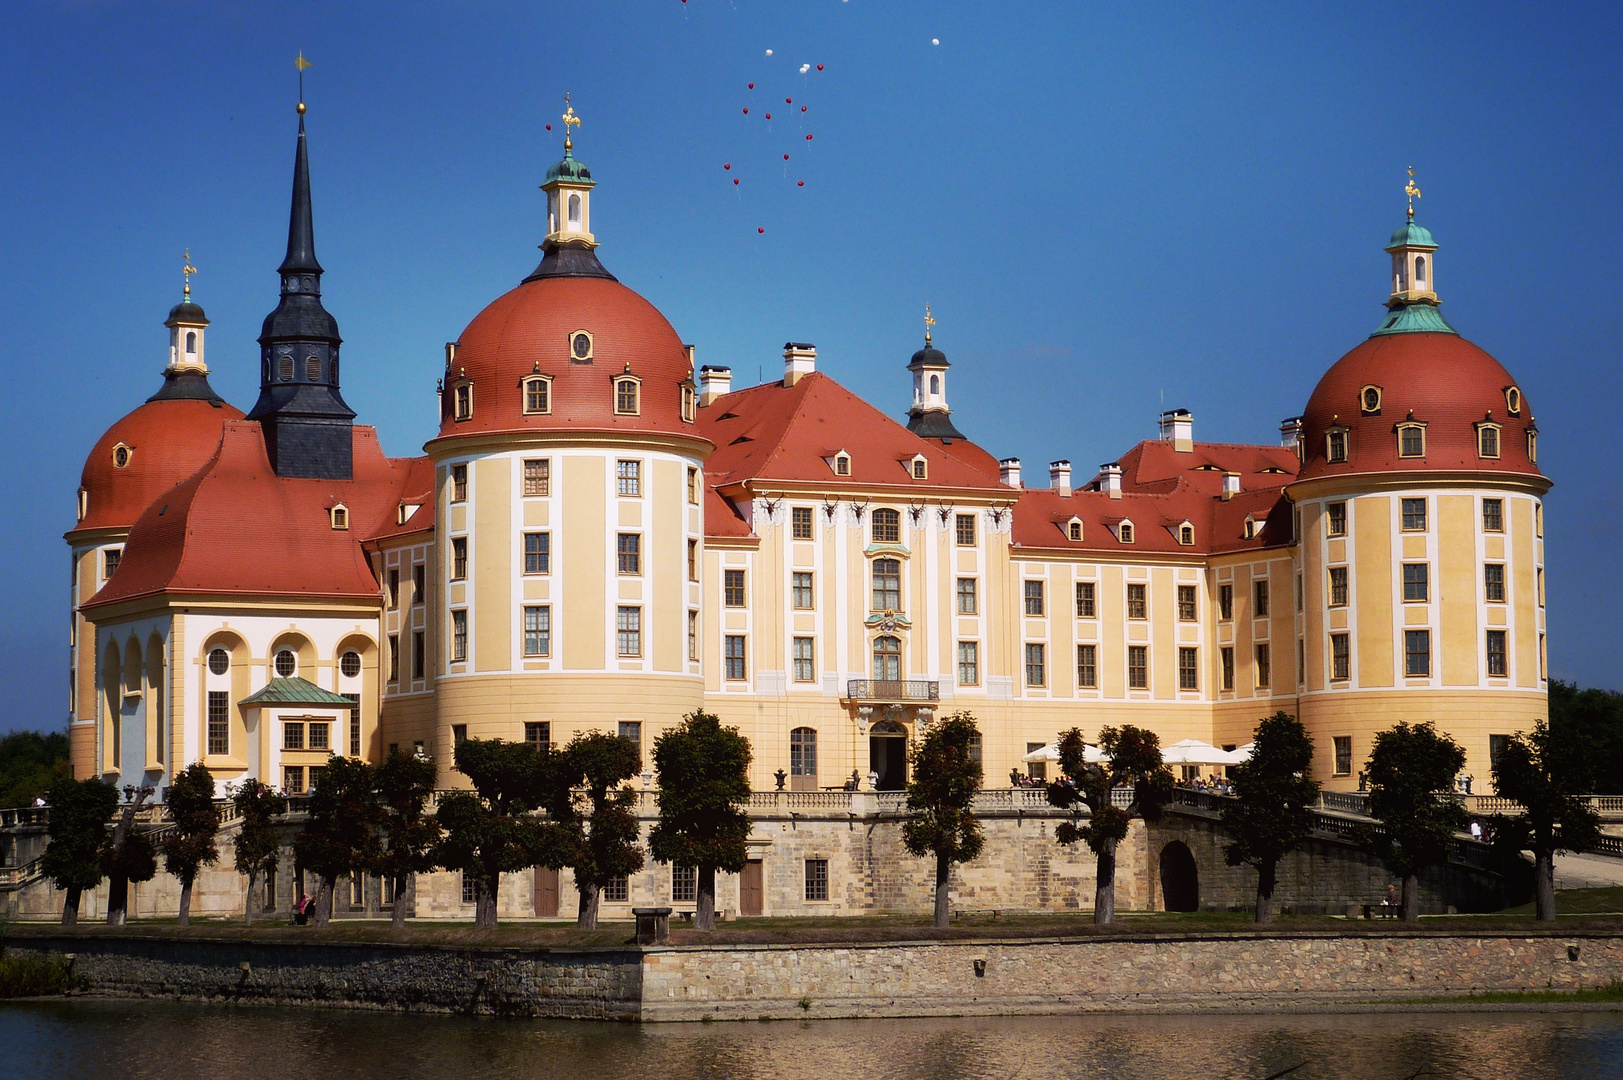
x: 571, y: 171
x: 1411, y: 235
x: 1418, y: 318
x: 295, y: 691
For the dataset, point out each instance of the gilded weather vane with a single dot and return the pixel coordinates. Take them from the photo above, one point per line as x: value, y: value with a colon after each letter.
x: 570, y: 120
x: 1412, y: 190
x: 929, y: 323
x: 186, y: 272
x: 301, y: 63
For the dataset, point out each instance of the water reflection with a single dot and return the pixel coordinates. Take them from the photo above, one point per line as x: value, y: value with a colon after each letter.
x: 102, y: 1039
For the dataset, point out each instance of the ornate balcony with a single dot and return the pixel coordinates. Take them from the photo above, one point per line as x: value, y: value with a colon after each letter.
x: 893, y: 691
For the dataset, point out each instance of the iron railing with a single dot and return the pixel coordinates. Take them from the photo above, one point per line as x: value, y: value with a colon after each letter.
x: 893, y: 691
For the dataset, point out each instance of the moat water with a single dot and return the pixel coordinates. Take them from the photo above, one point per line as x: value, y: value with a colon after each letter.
x: 112, y: 1039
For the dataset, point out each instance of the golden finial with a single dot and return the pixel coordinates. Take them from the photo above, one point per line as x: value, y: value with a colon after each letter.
x: 186, y: 272
x: 1411, y: 190
x: 570, y: 120
x: 929, y: 322
x: 301, y: 63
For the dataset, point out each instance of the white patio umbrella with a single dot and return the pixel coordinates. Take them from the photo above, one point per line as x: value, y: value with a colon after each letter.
x: 1090, y: 754
x: 1244, y: 753
x: 1195, y: 752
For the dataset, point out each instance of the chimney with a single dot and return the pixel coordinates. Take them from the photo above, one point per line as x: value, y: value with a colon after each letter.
x: 1059, y: 478
x: 714, y: 382
x: 799, y: 360
x: 1178, y: 428
x: 1231, y: 485
x: 1290, y: 432
x: 1110, y: 479
x: 1008, y: 471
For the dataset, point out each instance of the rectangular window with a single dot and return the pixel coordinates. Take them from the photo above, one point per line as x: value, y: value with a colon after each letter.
x: 693, y: 560
x: 1259, y: 599
x: 1138, y: 606
x: 631, y: 732
x: 419, y: 654
x: 968, y: 601
x: 629, y: 550
x: 1493, y: 515
x: 320, y: 736
x: 459, y: 558
x: 459, y: 734
x: 219, y: 722
x: 628, y: 477
x: 1264, y: 666
x: 419, y: 591
x: 538, y: 734
x: 1336, y: 445
x: 293, y: 779
x: 394, y: 589
x: 1188, y: 669
x: 1036, y: 669
x: 964, y: 529
x: 1034, y: 597
x: 969, y: 663
x: 1336, y: 518
x: 1138, y: 667
x: 1411, y: 441
x: 1417, y: 652
x: 110, y: 560
x: 1340, y: 657
x: 354, y: 725
x: 1343, y: 744
x: 1300, y: 592
x: 803, y: 752
x: 732, y: 588
x: 459, y: 483
x: 628, y: 631
x: 538, y: 553
x: 459, y: 635
x: 292, y: 735
x: 538, y: 631
x: 538, y: 476
x: 800, y: 522
x: 684, y: 884
x: 1538, y: 583
x: 1338, y: 586
x: 1488, y: 441
x: 736, y: 667
x: 1493, y: 582
x: 816, y: 879
x: 887, y: 585
x: 693, y: 486
x: 800, y: 590
x: 1087, y: 666
x: 805, y: 656
x: 1416, y: 583
x: 693, y: 635
x: 1414, y: 515
x: 1085, y: 593
x: 887, y: 526
x: 394, y: 657
x: 1497, y: 662
x: 1301, y: 661
x: 616, y: 890
x: 1497, y: 745
x: 1226, y: 654
x: 1186, y: 603
x: 1225, y: 602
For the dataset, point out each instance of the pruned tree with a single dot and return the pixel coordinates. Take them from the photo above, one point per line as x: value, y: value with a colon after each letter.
x: 258, y: 845
x: 593, y: 831
x: 703, y: 791
x: 941, y: 801
x: 191, y: 845
x: 492, y: 829
x: 339, y: 837
x: 1546, y: 772
x: 1272, y: 811
x: 1411, y: 773
x: 77, y: 836
x: 129, y: 857
x: 405, y: 783
x: 1132, y: 759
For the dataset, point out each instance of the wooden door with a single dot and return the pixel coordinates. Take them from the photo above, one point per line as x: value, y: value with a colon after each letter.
x: 749, y: 888
x: 546, y: 893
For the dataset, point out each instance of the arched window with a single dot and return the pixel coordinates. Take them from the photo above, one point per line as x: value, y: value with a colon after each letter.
x: 1075, y: 531
x: 464, y: 401
x: 887, y: 659
x: 842, y: 465
x: 312, y: 369
x: 574, y: 210
x: 286, y: 663
x: 935, y: 384
x: 1420, y: 270
x: 887, y: 526
x: 350, y: 664
x: 219, y: 661
x: 1186, y: 534
x: 537, y: 395
x: 625, y: 397
x: 340, y: 517
x: 1124, y: 532
x: 887, y: 585
x: 1487, y: 437
x: 191, y: 342
x: 803, y: 752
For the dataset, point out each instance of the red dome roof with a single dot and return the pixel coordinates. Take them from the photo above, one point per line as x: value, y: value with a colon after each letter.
x: 168, y: 441
x: 530, y: 329
x: 1440, y: 380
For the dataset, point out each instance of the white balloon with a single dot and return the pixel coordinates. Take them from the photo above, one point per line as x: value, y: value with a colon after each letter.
x: 805, y: 68
x: 769, y: 52
x: 933, y: 41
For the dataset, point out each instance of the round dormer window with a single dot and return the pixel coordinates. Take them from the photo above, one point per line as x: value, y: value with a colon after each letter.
x: 350, y: 664
x: 219, y: 661
x: 286, y: 663
x: 121, y: 456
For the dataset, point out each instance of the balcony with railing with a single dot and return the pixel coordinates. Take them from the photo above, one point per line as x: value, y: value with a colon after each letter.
x: 893, y: 691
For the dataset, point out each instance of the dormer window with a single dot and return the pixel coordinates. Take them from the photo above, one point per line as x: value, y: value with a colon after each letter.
x: 1073, y: 530
x: 1369, y: 400
x: 462, y: 401
x: 1532, y: 445
x: 121, y: 456
x: 842, y: 464
x: 1487, y: 440
x: 1186, y: 534
x: 627, y: 392
x: 340, y: 516
x: 1250, y: 527
x: 1411, y: 440
x: 1124, y: 532
x: 1513, y: 401
x: 580, y: 347
x: 887, y: 526
x: 689, y: 402
x: 920, y: 467
x: 84, y: 503
x: 537, y: 395
x: 1335, y: 445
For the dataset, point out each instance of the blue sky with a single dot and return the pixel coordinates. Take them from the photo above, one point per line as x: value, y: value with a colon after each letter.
x: 1112, y: 208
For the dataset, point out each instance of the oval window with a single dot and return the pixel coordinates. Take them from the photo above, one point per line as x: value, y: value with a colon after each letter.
x: 350, y: 664
x: 219, y: 661
x: 121, y: 456
x: 582, y: 346
x: 286, y: 663
x: 1372, y: 399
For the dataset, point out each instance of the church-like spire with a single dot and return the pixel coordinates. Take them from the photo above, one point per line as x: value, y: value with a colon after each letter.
x: 1414, y: 301
x: 929, y: 417
x: 301, y: 228
x: 569, y: 247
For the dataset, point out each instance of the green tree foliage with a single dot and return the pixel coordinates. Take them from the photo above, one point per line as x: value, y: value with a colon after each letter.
x: 1411, y: 773
x: 77, y: 832
x: 339, y: 836
x: 1132, y: 760
x: 703, y: 791
x: 130, y: 856
x: 30, y: 762
x: 405, y: 783
x: 1598, y: 716
x: 1272, y: 812
x: 492, y: 829
x: 258, y: 845
x: 1545, y: 772
x: 190, y: 845
x: 594, y: 831
x: 941, y: 801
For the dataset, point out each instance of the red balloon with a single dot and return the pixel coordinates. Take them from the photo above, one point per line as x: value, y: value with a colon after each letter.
x: 786, y: 157
x: 728, y: 165
x: 819, y: 67
x: 788, y: 101
x: 801, y: 184
x: 803, y: 108
x: 760, y: 230
x: 769, y: 116
x: 808, y: 136
x: 746, y: 112
x: 735, y: 181
x: 752, y: 85
x: 549, y: 127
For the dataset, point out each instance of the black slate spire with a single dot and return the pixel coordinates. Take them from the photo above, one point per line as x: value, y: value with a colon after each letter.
x: 307, y: 426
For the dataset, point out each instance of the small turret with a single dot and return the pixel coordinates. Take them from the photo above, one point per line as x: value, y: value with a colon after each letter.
x: 930, y: 418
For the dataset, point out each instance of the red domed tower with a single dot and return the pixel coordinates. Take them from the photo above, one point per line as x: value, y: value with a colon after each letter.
x: 1420, y: 517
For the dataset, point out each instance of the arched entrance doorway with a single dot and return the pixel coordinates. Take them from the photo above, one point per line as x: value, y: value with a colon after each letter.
x: 887, y: 755
x: 1180, y: 880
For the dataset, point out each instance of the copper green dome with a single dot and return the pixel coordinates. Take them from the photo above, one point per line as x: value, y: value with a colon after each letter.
x: 1411, y: 235
x: 570, y: 170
